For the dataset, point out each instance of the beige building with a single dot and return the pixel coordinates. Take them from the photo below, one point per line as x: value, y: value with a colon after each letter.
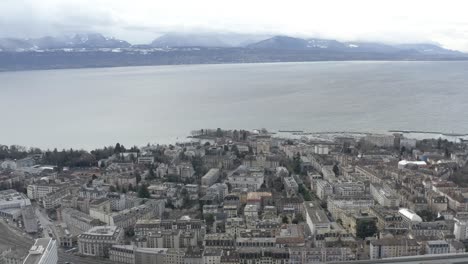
x: 150, y: 255
x: 122, y: 254
x: 99, y: 240
x: 393, y: 247
x: 78, y: 222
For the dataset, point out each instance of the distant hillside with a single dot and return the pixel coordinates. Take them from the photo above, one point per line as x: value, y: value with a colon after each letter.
x: 95, y: 50
x: 290, y: 43
x: 78, y: 41
x: 281, y: 42
x: 206, y: 40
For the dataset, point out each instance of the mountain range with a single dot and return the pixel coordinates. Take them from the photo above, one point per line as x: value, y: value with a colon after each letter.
x: 221, y: 40
x: 96, y: 50
x: 78, y: 41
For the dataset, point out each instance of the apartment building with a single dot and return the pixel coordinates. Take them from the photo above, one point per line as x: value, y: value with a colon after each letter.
x: 99, y: 240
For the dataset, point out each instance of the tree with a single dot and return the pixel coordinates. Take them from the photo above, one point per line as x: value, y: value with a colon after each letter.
x: 305, y: 193
x: 185, y: 197
x: 118, y: 148
x: 285, y: 220
x: 112, y: 188
x: 336, y: 170
x: 426, y: 215
x: 151, y: 175
x: 169, y: 204
x: 143, y: 191
x: 198, y: 166
x: 138, y: 177
x: 297, y: 163
x: 299, y: 218
x: 366, y: 229
x: 209, y: 219
x: 219, y: 133
x: 235, y: 150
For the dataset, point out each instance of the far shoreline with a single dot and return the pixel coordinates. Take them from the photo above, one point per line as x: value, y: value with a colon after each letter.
x: 460, y: 60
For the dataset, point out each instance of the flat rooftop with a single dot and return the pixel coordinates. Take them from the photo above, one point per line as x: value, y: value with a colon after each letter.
x: 316, y: 213
x: 37, y: 251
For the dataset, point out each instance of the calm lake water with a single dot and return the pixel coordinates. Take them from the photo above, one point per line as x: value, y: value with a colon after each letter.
x: 87, y: 108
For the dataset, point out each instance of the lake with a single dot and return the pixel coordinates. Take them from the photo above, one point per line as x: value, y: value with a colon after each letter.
x: 87, y: 108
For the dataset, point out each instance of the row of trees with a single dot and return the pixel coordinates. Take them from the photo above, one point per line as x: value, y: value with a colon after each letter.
x: 16, y: 152
x: 65, y: 157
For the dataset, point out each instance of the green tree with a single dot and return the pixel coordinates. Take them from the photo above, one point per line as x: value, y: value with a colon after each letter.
x: 297, y: 163
x: 336, y: 170
x: 298, y: 219
x: 143, y: 191
x: 426, y: 215
x: 198, y: 166
x: 305, y: 193
x: 185, y: 197
x: 138, y: 177
x: 285, y: 220
x: 209, y: 219
x: 366, y: 229
x: 219, y: 132
x: 117, y: 148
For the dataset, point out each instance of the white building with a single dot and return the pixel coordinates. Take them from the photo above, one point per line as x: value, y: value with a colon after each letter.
x: 250, y: 178
x: 291, y: 187
x: 409, y: 216
x: 321, y: 149
x: 403, y: 163
x: 323, y: 189
x: 384, y: 195
x: 251, y: 213
x: 11, y: 203
x: 37, y: 191
x: 460, y: 228
x: 316, y: 218
x: 328, y: 173
x: 349, y: 189
x: 44, y: 251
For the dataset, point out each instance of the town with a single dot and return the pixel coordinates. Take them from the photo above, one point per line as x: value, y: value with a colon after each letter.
x: 238, y: 196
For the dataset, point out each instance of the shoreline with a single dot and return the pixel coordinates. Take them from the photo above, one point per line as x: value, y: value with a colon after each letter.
x: 227, y: 63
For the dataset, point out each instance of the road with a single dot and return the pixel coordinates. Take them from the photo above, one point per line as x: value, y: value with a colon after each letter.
x: 69, y: 257
x: 44, y: 220
x: 421, y: 259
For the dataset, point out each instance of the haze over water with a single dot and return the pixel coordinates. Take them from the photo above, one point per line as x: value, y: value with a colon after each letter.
x: 89, y: 108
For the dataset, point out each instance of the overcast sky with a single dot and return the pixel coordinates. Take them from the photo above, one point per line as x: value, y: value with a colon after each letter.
x: 140, y: 21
